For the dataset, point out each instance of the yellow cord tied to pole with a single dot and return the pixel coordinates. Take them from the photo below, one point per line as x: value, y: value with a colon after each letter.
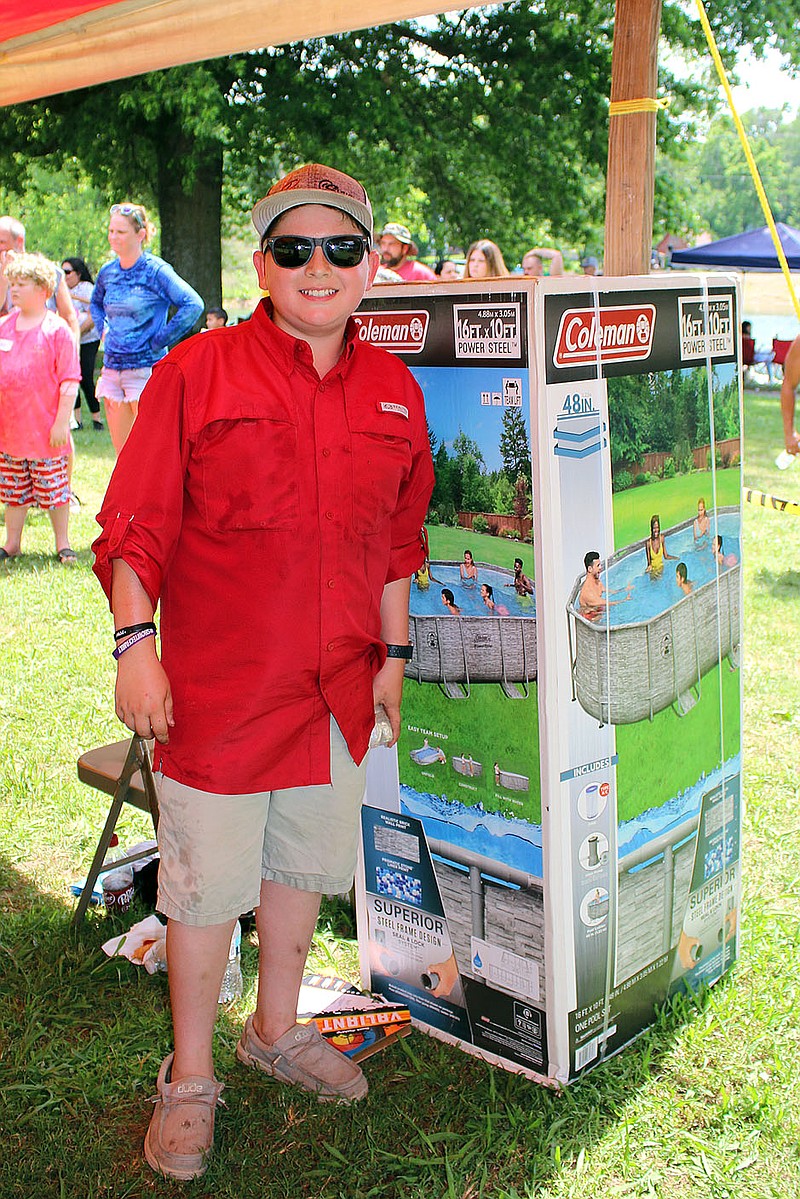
x: 623, y: 108
x: 763, y: 500
x: 748, y: 153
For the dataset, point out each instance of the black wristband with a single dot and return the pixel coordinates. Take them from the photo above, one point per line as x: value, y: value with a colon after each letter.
x: 120, y: 634
x: 400, y: 651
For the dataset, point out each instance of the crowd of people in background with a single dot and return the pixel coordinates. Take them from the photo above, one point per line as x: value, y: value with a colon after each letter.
x: 52, y: 322
x: 483, y: 260
x: 137, y: 308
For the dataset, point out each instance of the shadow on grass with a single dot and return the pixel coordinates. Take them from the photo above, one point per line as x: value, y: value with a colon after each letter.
x: 83, y: 1036
x: 782, y: 585
x: 33, y: 563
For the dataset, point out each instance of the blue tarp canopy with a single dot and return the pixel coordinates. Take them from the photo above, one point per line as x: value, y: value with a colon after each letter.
x: 752, y: 251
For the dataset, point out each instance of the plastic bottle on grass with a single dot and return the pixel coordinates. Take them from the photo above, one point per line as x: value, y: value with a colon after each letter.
x: 232, y: 985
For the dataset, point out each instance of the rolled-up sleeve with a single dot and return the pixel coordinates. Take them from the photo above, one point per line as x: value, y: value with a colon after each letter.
x: 142, y: 510
x: 407, y: 553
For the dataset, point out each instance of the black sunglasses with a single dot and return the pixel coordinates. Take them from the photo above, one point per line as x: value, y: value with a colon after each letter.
x: 341, y: 249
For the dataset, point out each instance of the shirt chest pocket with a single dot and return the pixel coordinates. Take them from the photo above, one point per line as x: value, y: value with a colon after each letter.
x: 248, y: 470
x: 381, y: 446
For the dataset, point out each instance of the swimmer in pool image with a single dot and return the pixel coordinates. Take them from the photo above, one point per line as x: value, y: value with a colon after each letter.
x: 468, y: 570
x: 686, y: 585
x: 702, y: 525
x: 487, y: 595
x: 593, y: 597
x: 449, y: 601
x: 521, y: 583
x: 425, y: 576
x: 726, y: 560
x: 656, y: 549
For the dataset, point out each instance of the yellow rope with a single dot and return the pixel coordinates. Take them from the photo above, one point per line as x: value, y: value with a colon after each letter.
x: 761, y: 499
x: 751, y: 162
x: 621, y: 108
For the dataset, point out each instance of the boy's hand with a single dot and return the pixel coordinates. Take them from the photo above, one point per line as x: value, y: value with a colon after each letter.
x: 387, y: 689
x: 59, y: 432
x: 143, y: 696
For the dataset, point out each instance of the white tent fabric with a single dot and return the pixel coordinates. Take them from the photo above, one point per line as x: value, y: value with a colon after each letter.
x: 134, y: 36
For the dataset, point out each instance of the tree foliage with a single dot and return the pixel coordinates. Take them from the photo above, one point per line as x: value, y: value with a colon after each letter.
x: 667, y: 412
x: 487, y: 122
x: 725, y: 200
x: 515, y: 449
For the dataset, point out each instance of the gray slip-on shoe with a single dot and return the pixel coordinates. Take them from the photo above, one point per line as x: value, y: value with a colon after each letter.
x: 304, y: 1058
x: 180, y: 1137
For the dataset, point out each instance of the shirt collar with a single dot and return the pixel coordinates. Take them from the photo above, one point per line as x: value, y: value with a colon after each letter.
x: 290, y: 349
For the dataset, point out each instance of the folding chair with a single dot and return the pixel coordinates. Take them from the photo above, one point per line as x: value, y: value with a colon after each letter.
x: 780, y: 348
x: 123, y: 771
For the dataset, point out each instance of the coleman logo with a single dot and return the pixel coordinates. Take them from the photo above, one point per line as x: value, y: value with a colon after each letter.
x: 401, y: 332
x: 623, y: 335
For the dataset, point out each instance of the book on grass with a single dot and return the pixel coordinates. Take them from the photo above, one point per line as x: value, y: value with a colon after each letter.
x: 355, y: 1023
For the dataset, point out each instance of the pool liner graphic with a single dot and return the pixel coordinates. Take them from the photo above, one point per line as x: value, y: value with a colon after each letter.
x: 412, y: 959
x: 510, y: 898
x: 633, y: 670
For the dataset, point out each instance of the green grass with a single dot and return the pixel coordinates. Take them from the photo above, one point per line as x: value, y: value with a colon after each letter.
x: 660, y: 757
x: 487, y: 726
x: 674, y: 500
x: 448, y: 545
x: 703, y: 1106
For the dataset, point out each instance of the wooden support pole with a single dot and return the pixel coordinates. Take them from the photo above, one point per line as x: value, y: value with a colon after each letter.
x: 630, y: 182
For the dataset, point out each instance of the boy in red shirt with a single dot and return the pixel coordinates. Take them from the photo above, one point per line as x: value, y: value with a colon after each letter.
x: 280, y: 455
x: 39, y: 376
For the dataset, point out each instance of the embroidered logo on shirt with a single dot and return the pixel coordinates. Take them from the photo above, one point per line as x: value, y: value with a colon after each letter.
x: 400, y: 409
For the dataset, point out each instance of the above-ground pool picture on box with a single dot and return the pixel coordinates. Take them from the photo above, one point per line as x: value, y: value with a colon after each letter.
x: 636, y: 656
x: 469, y: 747
x: 659, y: 656
x: 645, y: 464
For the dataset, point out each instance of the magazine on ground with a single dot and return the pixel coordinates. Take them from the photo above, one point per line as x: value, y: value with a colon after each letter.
x: 354, y: 1022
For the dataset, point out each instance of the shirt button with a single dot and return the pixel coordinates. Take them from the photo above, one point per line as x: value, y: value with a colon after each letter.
x: 329, y: 515
x: 326, y: 453
x: 330, y: 646
x: 331, y: 582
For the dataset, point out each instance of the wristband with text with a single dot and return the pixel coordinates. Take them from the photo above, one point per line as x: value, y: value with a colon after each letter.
x: 121, y: 634
x: 131, y: 641
x: 400, y: 651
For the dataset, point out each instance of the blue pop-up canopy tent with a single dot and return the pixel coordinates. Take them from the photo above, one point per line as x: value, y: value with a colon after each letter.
x: 752, y: 251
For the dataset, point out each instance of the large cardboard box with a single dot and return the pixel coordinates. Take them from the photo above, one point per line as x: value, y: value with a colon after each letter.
x: 553, y: 848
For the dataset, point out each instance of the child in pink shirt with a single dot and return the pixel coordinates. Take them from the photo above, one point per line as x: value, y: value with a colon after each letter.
x: 39, y: 376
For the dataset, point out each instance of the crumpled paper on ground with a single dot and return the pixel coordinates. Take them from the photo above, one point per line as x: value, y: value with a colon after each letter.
x: 145, y: 944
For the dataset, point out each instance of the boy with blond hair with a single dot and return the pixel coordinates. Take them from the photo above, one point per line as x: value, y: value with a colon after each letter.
x: 39, y: 376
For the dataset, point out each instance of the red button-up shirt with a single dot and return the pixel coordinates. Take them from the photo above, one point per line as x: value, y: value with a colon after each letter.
x: 267, y: 509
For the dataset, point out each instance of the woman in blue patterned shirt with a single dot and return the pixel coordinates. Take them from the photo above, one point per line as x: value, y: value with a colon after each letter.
x: 131, y: 304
